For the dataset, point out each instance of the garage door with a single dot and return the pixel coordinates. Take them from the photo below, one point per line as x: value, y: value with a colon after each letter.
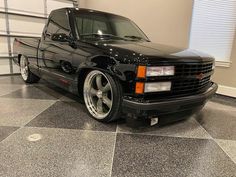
x: 25, y: 18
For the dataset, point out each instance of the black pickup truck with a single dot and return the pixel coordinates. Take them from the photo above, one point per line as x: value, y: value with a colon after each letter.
x: 108, y: 61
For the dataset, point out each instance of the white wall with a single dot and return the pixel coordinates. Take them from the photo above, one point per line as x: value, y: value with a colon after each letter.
x: 164, y: 21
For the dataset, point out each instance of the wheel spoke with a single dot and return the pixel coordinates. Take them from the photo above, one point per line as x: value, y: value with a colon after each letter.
x: 99, y: 106
x: 93, y: 92
x: 26, y: 69
x: 106, y: 88
x: 99, y: 81
x: 22, y: 65
x: 107, y: 101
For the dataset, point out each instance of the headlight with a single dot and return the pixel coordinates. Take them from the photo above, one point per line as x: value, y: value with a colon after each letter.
x: 157, y: 87
x: 160, y: 71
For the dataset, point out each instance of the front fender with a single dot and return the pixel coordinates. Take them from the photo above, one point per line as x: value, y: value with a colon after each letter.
x: 125, y: 73
x: 109, y: 65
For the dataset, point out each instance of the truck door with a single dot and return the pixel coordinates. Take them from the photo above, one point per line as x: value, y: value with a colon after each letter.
x: 55, y: 57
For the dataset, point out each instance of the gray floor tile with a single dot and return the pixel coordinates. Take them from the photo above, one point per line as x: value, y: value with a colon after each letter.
x: 6, y: 89
x: 142, y: 155
x: 35, y: 92
x: 68, y: 97
x: 219, y: 123
x: 219, y: 106
x: 6, y: 131
x: 18, y: 112
x: 71, y: 115
x: 56, y: 152
x: 16, y: 79
x: 12, y: 80
x: 189, y: 128
x: 3, y: 77
x: 180, y: 149
x: 229, y: 147
x: 224, y: 100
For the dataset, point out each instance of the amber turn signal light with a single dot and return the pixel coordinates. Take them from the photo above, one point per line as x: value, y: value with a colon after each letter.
x: 139, y: 88
x: 141, y: 73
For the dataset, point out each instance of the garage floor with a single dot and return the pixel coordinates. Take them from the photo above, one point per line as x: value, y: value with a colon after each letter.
x: 45, y: 132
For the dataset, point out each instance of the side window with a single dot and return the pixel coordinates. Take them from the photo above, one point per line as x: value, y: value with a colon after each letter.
x: 58, y: 23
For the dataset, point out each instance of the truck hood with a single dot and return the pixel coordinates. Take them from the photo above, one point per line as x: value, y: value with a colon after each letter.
x: 149, y: 52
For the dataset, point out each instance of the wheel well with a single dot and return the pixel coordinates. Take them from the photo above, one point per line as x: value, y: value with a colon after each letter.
x: 19, y: 56
x: 81, y: 78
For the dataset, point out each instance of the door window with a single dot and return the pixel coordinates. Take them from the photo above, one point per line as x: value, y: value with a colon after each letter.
x: 58, y: 23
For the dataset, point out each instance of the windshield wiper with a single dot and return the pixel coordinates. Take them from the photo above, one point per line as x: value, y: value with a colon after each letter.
x: 135, y: 37
x: 102, y: 35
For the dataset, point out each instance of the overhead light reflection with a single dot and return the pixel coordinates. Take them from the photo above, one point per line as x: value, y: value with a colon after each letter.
x: 34, y: 137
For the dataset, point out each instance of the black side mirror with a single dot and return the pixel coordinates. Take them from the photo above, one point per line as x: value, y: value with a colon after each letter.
x: 60, y: 37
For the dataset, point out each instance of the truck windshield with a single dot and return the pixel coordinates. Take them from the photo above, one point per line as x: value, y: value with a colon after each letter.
x: 96, y: 25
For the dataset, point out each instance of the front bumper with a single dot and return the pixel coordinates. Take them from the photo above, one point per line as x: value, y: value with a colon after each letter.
x: 168, y: 106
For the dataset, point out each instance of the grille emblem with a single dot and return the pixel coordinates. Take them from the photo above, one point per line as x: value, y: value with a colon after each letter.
x: 200, y: 76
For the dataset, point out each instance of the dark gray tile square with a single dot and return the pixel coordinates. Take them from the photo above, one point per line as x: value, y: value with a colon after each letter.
x: 35, y: 92
x: 71, y: 115
x: 6, y: 131
x: 42, y: 152
x: 189, y: 128
x: 219, y: 121
x: 69, y: 97
x: 142, y: 155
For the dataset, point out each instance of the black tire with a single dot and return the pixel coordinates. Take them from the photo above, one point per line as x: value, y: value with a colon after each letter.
x: 26, y: 74
x: 116, y: 91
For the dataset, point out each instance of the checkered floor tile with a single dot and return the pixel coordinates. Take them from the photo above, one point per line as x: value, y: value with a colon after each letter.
x: 45, y: 131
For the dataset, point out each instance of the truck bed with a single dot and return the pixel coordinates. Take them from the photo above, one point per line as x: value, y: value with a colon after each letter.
x: 25, y: 46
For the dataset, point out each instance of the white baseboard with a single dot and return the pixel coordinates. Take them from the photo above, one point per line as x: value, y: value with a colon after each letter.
x: 228, y: 91
x: 223, y: 64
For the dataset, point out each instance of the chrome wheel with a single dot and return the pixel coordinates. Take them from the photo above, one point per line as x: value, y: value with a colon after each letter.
x: 98, y: 95
x: 24, y: 68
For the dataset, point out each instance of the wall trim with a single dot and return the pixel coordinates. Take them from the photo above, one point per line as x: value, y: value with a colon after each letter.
x: 228, y: 91
x: 223, y: 64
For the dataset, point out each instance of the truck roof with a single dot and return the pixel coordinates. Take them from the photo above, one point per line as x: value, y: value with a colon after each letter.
x: 86, y: 10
